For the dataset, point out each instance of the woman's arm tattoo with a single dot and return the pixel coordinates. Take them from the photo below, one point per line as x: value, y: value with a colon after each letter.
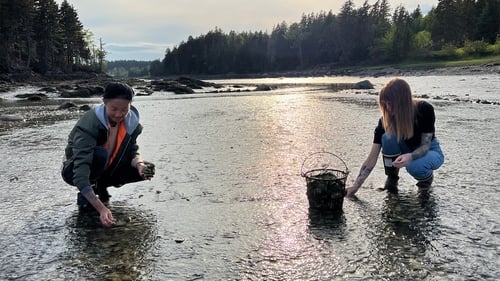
x: 424, y: 147
x: 363, y: 174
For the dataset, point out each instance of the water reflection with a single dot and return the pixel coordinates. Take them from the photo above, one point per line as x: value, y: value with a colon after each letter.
x: 228, y: 173
x: 327, y: 224
x: 406, y: 232
x: 117, y: 253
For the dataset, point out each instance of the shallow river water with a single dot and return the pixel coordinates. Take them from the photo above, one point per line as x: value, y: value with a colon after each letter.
x: 228, y: 201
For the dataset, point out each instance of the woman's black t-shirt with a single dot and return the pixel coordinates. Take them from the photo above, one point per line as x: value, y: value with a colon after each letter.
x: 424, y: 123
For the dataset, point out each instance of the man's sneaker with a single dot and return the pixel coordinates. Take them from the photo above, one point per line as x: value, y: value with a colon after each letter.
x: 391, y: 184
x: 426, y: 183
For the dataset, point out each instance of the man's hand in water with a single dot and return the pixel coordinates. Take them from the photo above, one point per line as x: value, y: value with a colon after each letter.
x: 106, y: 217
x: 105, y: 214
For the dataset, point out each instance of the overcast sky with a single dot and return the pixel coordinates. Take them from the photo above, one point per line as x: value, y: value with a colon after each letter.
x: 143, y: 30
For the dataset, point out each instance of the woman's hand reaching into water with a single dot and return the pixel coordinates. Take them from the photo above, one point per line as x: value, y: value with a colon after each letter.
x: 351, y: 191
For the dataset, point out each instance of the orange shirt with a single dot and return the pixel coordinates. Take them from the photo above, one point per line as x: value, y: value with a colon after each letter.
x: 115, y: 138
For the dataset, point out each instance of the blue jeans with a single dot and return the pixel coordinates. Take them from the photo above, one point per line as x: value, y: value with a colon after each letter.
x: 420, y: 168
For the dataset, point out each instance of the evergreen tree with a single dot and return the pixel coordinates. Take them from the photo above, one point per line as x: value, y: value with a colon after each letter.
x: 46, y: 34
x: 25, y: 48
x: 421, y: 42
x: 16, y: 22
x: 346, y: 32
x: 364, y: 33
x: 4, y: 35
x: 488, y: 23
x: 251, y: 56
x: 447, y: 27
x: 40, y: 35
x: 75, y: 49
x: 380, y: 14
x: 330, y: 43
x: 402, y: 23
x: 156, y: 68
x: 468, y: 17
x: 281, y: 54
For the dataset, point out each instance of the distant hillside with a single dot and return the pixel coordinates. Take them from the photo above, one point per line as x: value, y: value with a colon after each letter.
x: 128, y: 68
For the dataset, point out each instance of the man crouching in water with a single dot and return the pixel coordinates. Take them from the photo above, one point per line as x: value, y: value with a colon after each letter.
x: 102, y: 151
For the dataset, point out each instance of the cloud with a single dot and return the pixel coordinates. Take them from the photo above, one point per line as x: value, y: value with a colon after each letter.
x: 135, y: 29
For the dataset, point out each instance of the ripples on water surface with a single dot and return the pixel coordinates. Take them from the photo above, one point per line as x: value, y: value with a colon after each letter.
x: 228, y: 201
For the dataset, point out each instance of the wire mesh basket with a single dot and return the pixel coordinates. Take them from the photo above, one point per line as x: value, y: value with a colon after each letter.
x: 326, y: 175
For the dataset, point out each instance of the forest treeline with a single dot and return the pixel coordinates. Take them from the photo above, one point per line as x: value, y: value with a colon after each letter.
x: 370, y: 34
x: 41, y: 36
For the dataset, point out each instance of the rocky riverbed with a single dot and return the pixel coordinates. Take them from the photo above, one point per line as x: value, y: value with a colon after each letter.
x: 28, y: 103
x: 34, y: 100
x: 228, y: 201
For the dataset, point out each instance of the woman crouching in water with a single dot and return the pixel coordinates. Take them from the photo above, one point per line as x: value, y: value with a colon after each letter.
x: 406, y: 135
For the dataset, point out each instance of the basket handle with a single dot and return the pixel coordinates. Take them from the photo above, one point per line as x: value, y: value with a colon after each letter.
x: 302, y: 173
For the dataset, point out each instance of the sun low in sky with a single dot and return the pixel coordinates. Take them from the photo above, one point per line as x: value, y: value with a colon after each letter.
x: 143, y: 30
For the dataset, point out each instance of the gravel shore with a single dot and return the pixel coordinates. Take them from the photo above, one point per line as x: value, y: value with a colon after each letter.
x: 42, y: 110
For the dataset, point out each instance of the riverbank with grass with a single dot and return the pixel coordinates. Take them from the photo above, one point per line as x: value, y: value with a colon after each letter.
x: 462, y: 66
